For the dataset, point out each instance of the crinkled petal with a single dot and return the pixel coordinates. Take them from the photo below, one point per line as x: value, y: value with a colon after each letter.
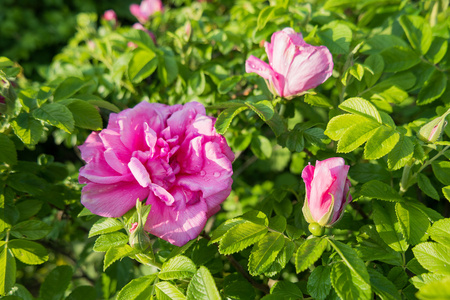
x: 91, y: 147
x: 308, y: 175
x: 181, y: 119
x: 112, y: 200
x: 284, y: 50
x: 139, y: 172
x: 255, y: 65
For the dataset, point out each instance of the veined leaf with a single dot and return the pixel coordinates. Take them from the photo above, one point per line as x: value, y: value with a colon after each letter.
x: 319, y: 282
x: 106, y: 241
x: 57, y: 115
x: 382, y: 286
x: 388, y: 226
x: 202, y: 286
x: 224, y: 119
x: 284, y: 290
x: 85, y: 115
x: 281, y: 260
x: 241, y: 236
x: 434, y: 257
x: 441, y: 170
x: 8, y: 153
x: 30, y: 230
x: 340, y: 124
x: 28, y: 252
x: 440, y: 231
x: 27, y: 128
x: 418, y: 32
x: 356, y: 135
x: 433, y: 88
x: 7, y: 270
x: 105, y: 225
x: 375, y: 63
x: 177, y: 267
x: 347, y: 285
x: 378, y: 190
x: 116, y: 253
x: 68, y: 87
x: 309, y: 252
x: 399, y: 58
x: 381, y: 143
x: 56, y: 283
x: 426, y: 186
x: 167, y: 291
x: 142, y: 64
x: 265, y: 252
x: 138, y: 289
x: 264, y: 109
x: 401, y: 154
x: 218, y: 234
x: 361, y: 107
x: 435, y: 290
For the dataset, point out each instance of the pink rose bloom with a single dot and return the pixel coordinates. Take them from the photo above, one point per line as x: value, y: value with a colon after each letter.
x: 139, y: 26
x: 110, y: 15
x: 169, y: 157
x: 294, y: 66
x: 327, y: 191
x: 146, y: 9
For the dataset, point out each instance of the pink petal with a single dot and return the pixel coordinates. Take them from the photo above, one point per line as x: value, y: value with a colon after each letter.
x: 182, y: 118
x: 320, y: 200
x: 308, y: 175
x: 284, y: 50
x: 91, y: 147
x: 139, y: 172
x: 112, y: 200
x: 255, y: 65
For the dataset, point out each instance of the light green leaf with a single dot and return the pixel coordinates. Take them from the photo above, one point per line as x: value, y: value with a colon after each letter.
x: 224, y: 119
x: 56, y: 283
x: 362, y: 107
x: 437, y: 50
x: 218, y: 234
x: 228, y: 84
x: 265, y: 252
x: 375, y: 189
x: 167, y: 291
x: 142, y: 64
x: 381, y: 143
x: 138, y: 289
x: 418, y: 31
x: 340, y: 124
x: 401, y: 154
x: 102, y: 104
x: 336, y: 37
x: 441, y: 170
x: 446, y: 192
x: 356, y: 135
x: 433, y: 88
x: 8, y: 153
x: 382, y: 286
x: 347, y: 285
x: 68, y: 87
x: 281, y: 260
x: 106, y: 241
x: 167, y: 66
x: 30, y: 230
x: 426, y: 186
x: 285, y: 290
x: 375, y: 63
x: 319, y: 282
x: 434, y: 257
x: 28, y: 252
x: 261, y: 147
x: 85, y: 115
x: 278, y: 223
x: 57, y: 115
x: 399, y: 58
x: 105, y: 225
x: 267, y: 14
x: 202, y: 286
x: 116, y: 253
x: 27, y: 128
x: 440, y: 231
x: 387, y: 225
x: 309, y: 252
x: 241, y: 236
x: 264, y: 109
x: 7, y: 270
x: 436, y: 290
x: 318, y: 100
x: 177, y: 267
x: 425, y: 278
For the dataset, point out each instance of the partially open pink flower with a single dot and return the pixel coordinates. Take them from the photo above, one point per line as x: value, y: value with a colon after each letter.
x: 110, y: 15
x: 146, y: 9
x: 294, y: 66
x: 327, y: 191
x: 170, y: 157
x: 139, y: 26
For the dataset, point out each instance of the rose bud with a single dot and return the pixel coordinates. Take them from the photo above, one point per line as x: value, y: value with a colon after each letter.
x: 294, y: 66
x: 432, y: 131
x: 327, y: 191
x: 139, y: 239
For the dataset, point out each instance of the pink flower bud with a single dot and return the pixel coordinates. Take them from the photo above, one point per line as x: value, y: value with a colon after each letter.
x: 146, y: 9
x: 133, y: 227
x: 327, y: 191
x: 110, y: 15
x: 294, y: 66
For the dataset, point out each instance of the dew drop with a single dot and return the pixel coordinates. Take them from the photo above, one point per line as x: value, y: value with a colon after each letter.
x: 202, y: 173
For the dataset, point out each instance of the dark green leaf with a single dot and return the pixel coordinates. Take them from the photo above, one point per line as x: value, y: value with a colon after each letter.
x: 378, y: 190
x: 202, y: 286
x: 426, y: 186
x: 388, y: 226
x: 399, y: 58
x: 347, y: 284
x: 319, y: 282
x: 418, y: 31
x: 27, y: 128
x: 441, y: 170
x: 84, y: 292
x: 433, y: 88
x: 265, y: 252
x: 8, y: 152
x: 138, y: 289
x: 228, y: 84
x: 309, y: 252
x: 68, y: 87
x: 177, y: 267
x: 56, y: 283
x: 261, y: 147
x: 55, y: 114
x: 224, y: 119
x: 382, y: 286
x: 85, y: 115
x: 30, y: 230
x: 142, y: 64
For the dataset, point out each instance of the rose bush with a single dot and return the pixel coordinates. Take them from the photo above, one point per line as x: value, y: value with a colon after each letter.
x: 294, y: 66
x: 170, y: 157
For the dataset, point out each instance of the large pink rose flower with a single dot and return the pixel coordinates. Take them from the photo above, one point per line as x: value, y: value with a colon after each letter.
x: 147, y: 8
x: 294, y: 66
x: 327, y: 191
x: 170, y: 157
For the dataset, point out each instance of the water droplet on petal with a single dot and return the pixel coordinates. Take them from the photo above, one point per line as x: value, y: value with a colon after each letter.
x: 202, y: 173
x: 216, y: 174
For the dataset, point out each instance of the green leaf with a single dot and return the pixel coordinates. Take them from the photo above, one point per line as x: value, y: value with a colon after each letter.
x: 401, y: 154
x: 56, y: 283
x: 27, y: 128
x: 218, y: 234
x: 425, y: 278
x: 446, y: 192
x: 365, y: 172
x: 105, y: 225
x: 382, y: 286
x: 356, y: 135
x: 433, y: 88
x: 340, y: 124
x: 8, y: 153
x: 137, y: 289
x: 241, y: 236
x: 84, y: 292
x: 309, y: 252
x: 265, y: 252
x: 267, y: 14
x: 434, y: 257
x: 224, y: 119
x: 167, y: 66
x: 28, y: 252
x: 202, y: 286
x: 375, y: 63
x: 378, y: 190
x: 426, y: 186
x: 381, y: 143
x: 418, y: 31
x: 57, y: 115
x: 228, y: 84
x: 278, y: 223
x: 85, y: 115
x: 362, y: 107
x: 166, y: 290
x: 282, y: 259
x: 7, y: 270
x: 235, y: 286
x: 437, y: 50
x: 177, y: 267
x: 68, y: 87
x: 106, y: 241
x: 399, y: 58
x: 319, y: 282
x: 318, y: 100
x: 440, y: 231
x: 388, y: 226
x: 285, y: 290
x: 336, y: 37
x: 277, y: 124
x: 347, y: 285
x: 261, y: 147
x: 28, y: 208
x: 27, y: 183
x: 101, y: 103
x: 142, y: 64
x: 116, y: 253
x: 435, y: 290
x: 264, y: 109
x: 30, y: 230
x: 141, y: 38
x: 441, y: 170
